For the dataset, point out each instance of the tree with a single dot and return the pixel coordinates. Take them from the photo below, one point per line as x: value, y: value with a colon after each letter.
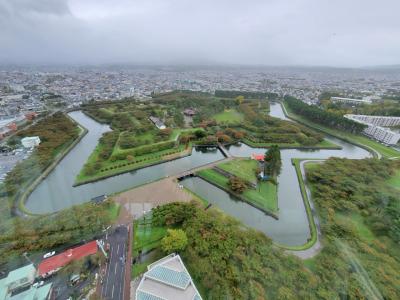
x: 239, y: 99
x: 175, y: 241
x: 238, y: 185
x: 272, y: 161
x: 200, y: 134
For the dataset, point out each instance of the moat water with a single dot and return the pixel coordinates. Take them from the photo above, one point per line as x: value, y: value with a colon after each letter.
x: 56, y: 192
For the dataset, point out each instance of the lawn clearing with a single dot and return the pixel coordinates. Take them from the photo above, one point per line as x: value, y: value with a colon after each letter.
x: 146, y: 241
x: 230, y: 116
x: 243, y: 168
x: 147, y: 236
x: 264, y: 197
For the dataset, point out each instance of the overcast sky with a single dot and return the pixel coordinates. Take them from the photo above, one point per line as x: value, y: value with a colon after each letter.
x: 261, y: 32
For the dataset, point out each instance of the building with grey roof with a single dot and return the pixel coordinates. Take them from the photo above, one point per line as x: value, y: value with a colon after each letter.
x: 167, y: 279
x: 18, y: 285
x: 374, y: 127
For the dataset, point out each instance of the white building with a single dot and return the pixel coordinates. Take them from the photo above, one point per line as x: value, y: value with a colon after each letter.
x: 30, y: 141
x: 167, y: 279
x: 351, y: 100
x: 375, y: 129
x: 158, y: 123
x: 384, y: 121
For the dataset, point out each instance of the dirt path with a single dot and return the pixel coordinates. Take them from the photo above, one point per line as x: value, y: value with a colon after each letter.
x: 142, y: 199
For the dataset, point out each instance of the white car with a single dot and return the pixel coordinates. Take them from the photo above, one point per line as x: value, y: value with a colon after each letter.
x: 49, y: 254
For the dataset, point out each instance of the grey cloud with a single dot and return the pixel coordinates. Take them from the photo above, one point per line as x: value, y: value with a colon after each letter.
x: 22, y: 7
x: 272, y: 32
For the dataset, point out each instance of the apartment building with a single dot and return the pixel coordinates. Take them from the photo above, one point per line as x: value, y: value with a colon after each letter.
x: 351, y: 100
x: 384, y: 121
x: 375, y: 127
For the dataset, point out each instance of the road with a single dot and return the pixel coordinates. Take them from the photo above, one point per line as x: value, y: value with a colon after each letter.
x: 114, y: 278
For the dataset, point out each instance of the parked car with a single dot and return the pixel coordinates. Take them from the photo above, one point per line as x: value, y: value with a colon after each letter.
x: 49, y: 254
x: 38, y: 284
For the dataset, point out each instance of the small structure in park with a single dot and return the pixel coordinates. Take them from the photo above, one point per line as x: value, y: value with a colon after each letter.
x: 30, y: 141
x: 157, y: 122
x: 99, y: 199
x: 190, y: 112
x: 263, y: 176
x: 259, y: 157
x: 167, y: 279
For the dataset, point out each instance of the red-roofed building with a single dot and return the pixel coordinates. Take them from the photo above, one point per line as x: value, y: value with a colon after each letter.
x: 259, y: 157
x: 53, y: 264
x: 30, y: 115
x: 12, y: 126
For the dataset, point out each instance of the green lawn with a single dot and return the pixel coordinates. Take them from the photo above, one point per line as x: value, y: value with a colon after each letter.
x: 325, y: 144
x: 112, y: 168
x: 146, y: 238
x: 230, y: 116
x: 358, y: 222
x: 264, y: 197
x: 113, y: 211
x: 358, y: 139
x: 214, y: 177
x: 395, y: 180
x: 243, y: 168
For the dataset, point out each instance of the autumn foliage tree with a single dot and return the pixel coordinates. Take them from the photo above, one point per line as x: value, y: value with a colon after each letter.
x: 175, y: 241
x: 236, y: 184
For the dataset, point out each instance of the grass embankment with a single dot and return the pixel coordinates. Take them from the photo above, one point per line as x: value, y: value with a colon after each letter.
x: 229, y: 116
x: 111, y: 168
x: 118, y: 167
x: 263, y: 197
x: 325, y: 144
x: 244, y: 169
x: 348, y: 137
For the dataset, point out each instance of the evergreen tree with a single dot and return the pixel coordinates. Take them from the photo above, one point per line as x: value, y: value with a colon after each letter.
x: 272, y: 161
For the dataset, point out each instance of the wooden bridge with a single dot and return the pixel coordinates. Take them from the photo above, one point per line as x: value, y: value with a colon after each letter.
x: 191, y: 172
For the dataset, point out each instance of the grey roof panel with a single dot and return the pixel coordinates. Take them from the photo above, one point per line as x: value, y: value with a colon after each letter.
x: 168, y: 276
x: 146, y: 296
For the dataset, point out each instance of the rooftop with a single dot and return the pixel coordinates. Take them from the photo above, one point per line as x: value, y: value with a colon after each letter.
x: 34, y: 293
x: 167, y: 279
x: 20, y: 274
x: 52, y: 264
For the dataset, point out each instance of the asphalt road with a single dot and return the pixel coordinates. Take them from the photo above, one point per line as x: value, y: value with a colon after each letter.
x: 114, y: 279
